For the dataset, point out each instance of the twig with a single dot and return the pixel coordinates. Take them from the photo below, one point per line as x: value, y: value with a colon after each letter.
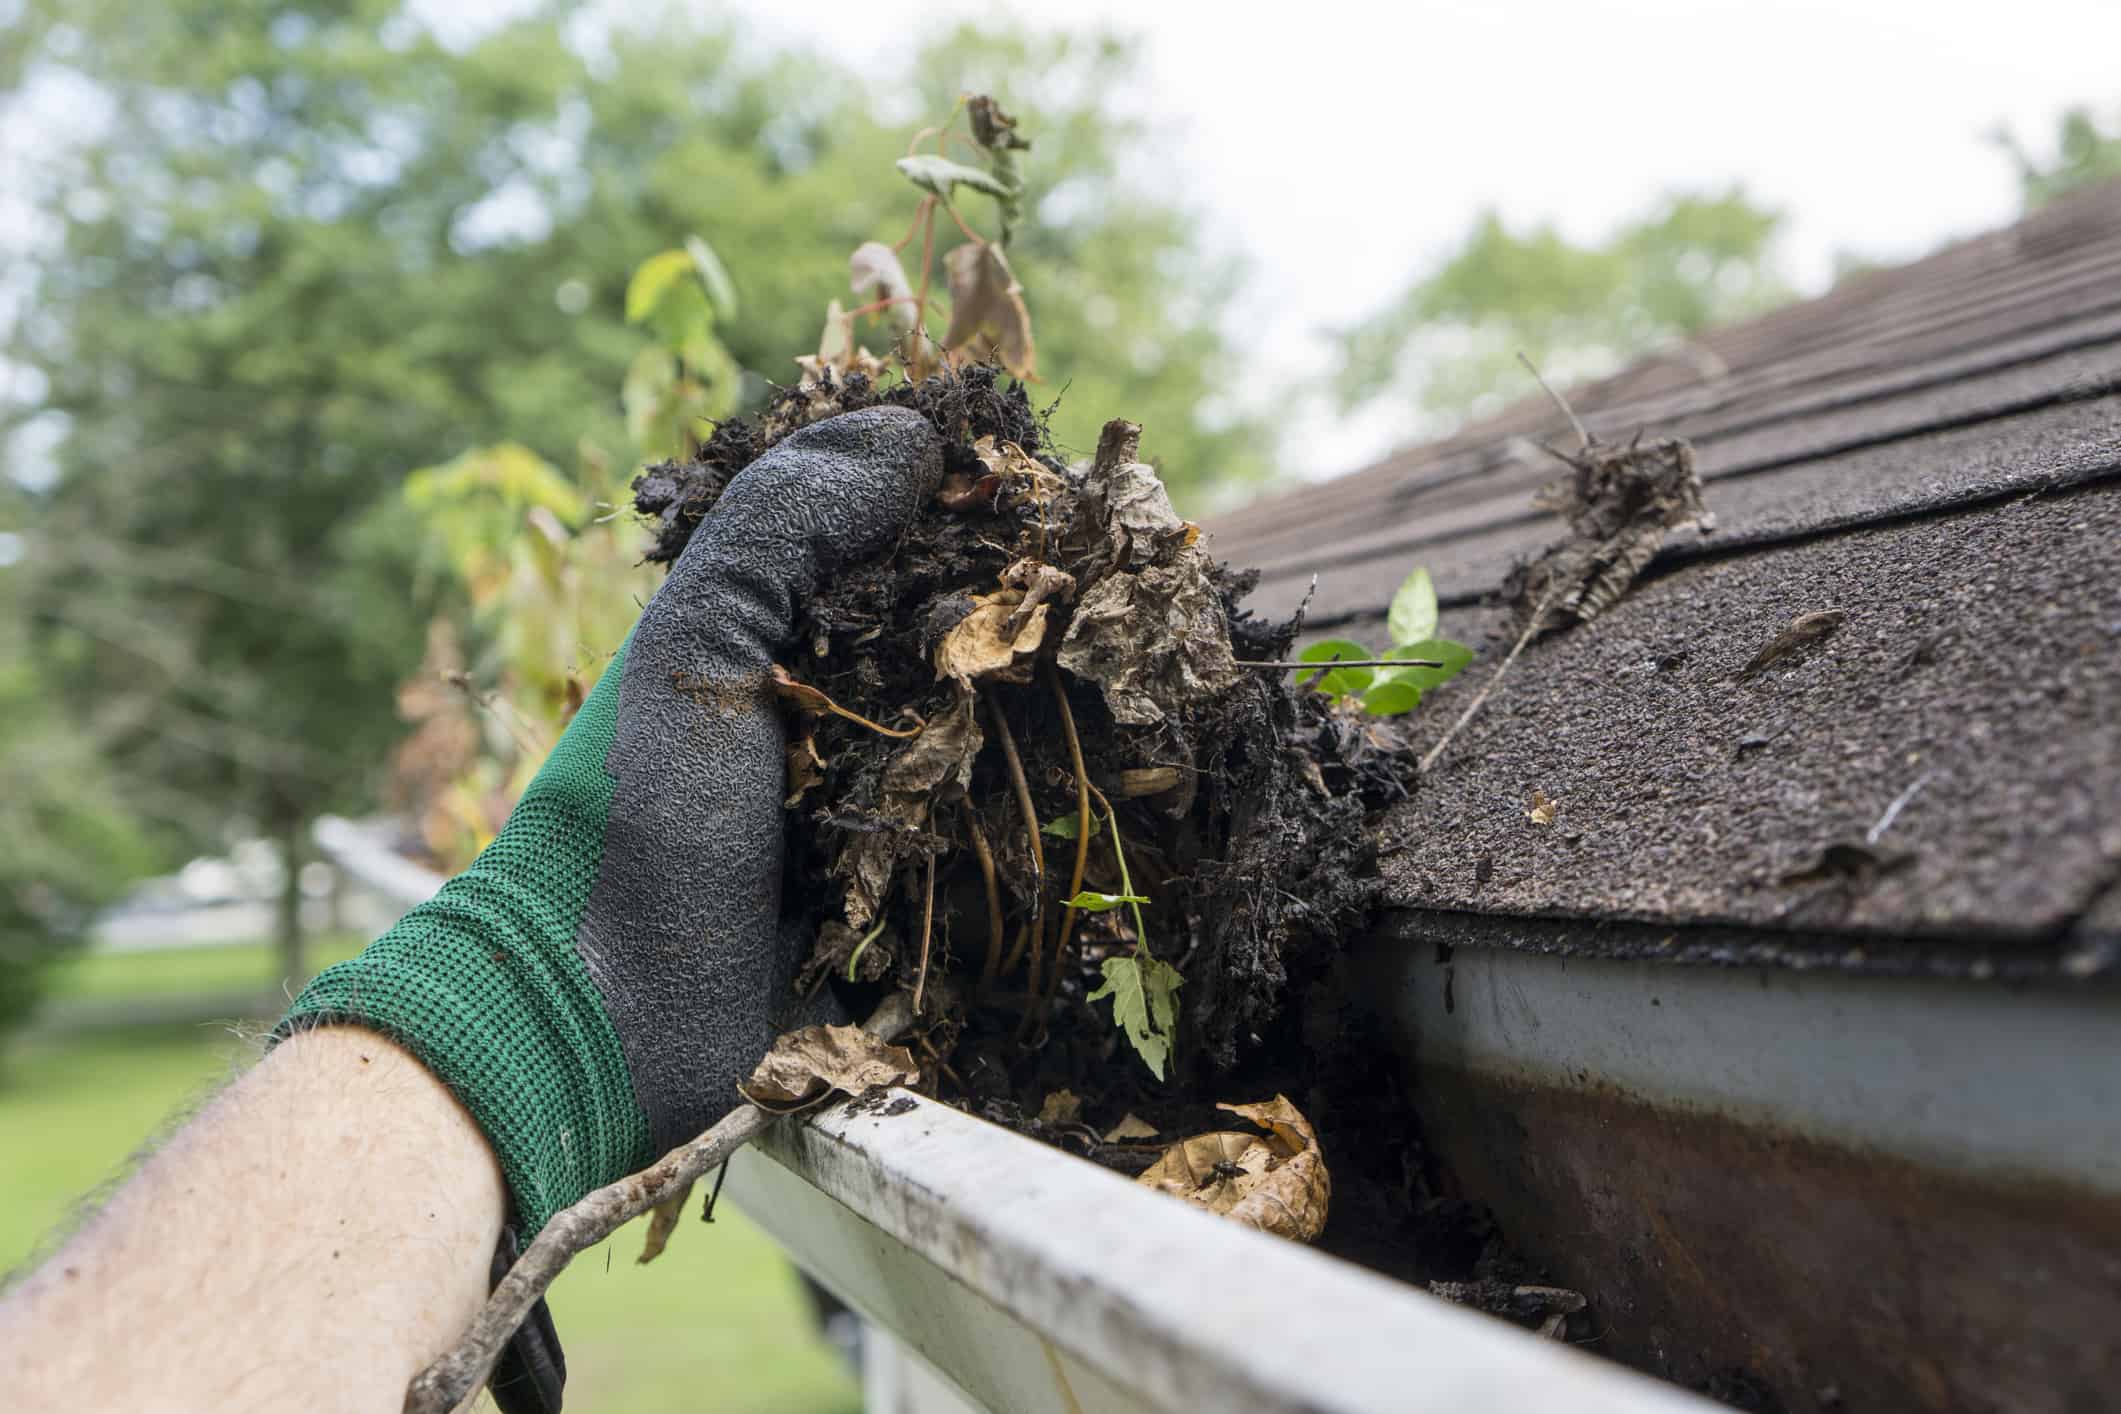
x: 446, y: 1383
x: 1539, y: 617
x: 1559, y: 401
x: 1892, y: 812
x: 920, y: 980
x: 451, y: 1379
x: 985, y: 855
x: 1082, y: 846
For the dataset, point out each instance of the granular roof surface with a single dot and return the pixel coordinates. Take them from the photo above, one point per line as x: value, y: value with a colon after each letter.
x: 1933, y: 451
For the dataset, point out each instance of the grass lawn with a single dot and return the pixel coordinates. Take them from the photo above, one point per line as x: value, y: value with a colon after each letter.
x: 211, y: 969
x: 717, y: 1324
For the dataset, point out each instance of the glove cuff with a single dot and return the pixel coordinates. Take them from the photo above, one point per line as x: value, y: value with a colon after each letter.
x: 483, y: 983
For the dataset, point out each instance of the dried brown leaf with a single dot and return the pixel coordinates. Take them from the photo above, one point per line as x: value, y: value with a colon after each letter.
x: 1157, y: 642
x: 1061, y: 1107
x: 1132, y: 1127
x: 993, y: 641
x: 662, y: 1221
x: 874, y: 270
x: 1619, y: 502
x: 1803, y: 631
x: 805, y: 768
x: 942, y: 753
x: 806, y: 1065
x: 986, y: 304
x: 1543, y: 809
x: 1278, y: 1184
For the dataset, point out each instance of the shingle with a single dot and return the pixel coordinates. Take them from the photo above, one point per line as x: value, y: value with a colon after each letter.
x: 1980, y: 655
x: 1936, y: 452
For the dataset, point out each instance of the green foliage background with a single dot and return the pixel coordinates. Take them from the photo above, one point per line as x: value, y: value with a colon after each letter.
x: 306, y: 249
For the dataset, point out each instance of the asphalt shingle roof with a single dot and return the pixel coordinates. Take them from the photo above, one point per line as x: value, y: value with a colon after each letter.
x: 1933, y: 450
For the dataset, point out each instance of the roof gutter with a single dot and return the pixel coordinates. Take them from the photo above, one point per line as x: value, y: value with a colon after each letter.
x: 1035, y: 1281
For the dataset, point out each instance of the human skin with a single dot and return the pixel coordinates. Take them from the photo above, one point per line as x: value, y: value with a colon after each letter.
x: 310, y: 1240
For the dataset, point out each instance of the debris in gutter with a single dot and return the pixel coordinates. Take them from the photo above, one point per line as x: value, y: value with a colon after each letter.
x: 1277, y: 1183
x: 1544, y: 1308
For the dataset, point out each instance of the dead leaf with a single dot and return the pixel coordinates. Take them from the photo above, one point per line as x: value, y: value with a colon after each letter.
x: 1156, y: 642
x: 942, y: 753
x: 1277, y: 1184
x: 662, y: 1221
x: 1619, y: 502
x: 1803, y: 631
x: 993, y: 641
x: 1132, y: 1127
x: 960, y: 492
x: 874, y: 269
x: 806, y: 1065
x: 1061, y: 1107
x: 1017, y: 467
x: 805, y: 768
x: 1138, y: 508
x: 1040, y: 582
x: 987, y: 303
x: 1543, y: 809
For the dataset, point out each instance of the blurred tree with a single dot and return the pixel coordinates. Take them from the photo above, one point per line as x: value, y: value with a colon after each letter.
x: 72, y: 842
x: 1450, y: 343
x: 287, y: 252
x: 2085, y: 152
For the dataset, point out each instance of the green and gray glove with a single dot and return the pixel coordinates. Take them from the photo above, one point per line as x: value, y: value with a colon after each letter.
x: 594, y: 986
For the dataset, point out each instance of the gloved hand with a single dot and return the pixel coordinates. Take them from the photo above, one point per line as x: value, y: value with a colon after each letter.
x: 594, y: 986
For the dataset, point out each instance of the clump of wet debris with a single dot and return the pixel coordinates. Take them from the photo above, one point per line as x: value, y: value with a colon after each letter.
x: 1044, y: 693
x: 1039, y: 695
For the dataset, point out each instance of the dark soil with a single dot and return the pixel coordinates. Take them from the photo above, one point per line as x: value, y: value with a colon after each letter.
x: 1246, y: 809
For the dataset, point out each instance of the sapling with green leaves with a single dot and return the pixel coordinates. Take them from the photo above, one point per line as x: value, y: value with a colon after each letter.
x: 1143, y: 988
x: 1390, y: 691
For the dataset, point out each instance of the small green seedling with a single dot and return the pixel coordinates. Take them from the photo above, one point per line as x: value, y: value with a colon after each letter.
x: 1388, y: 691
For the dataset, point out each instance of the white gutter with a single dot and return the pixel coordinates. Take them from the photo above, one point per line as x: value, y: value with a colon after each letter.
x: 1035, y: 1281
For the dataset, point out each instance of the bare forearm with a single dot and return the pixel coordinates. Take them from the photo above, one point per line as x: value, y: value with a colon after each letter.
x: 310, y: 1240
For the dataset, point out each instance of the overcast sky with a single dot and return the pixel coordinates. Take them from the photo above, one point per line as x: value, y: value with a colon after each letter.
x: 1863, y: 120
x: 1342, y: 148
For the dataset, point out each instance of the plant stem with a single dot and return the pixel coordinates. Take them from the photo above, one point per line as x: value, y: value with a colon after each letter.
x: 1082, y: 850
x: 920, y: 981
x: 863, y: 946
x: 985, y: 855
x: 1126, y: 880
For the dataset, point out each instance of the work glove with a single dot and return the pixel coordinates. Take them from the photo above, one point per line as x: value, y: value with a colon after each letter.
x: 594, y: 986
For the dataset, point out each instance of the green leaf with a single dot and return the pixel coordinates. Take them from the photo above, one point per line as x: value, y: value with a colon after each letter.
x: 1413, y: 614
x: 1391, y: 698
x: 650, y: 380
x: 1090, y: 901
x: 720, y: 288
x: 939, y: 174
x: 1067, y: 827
x: 1341, y: 681
x: 1144, y: 995
x: 1453, y: 656
x: 652, y: 280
